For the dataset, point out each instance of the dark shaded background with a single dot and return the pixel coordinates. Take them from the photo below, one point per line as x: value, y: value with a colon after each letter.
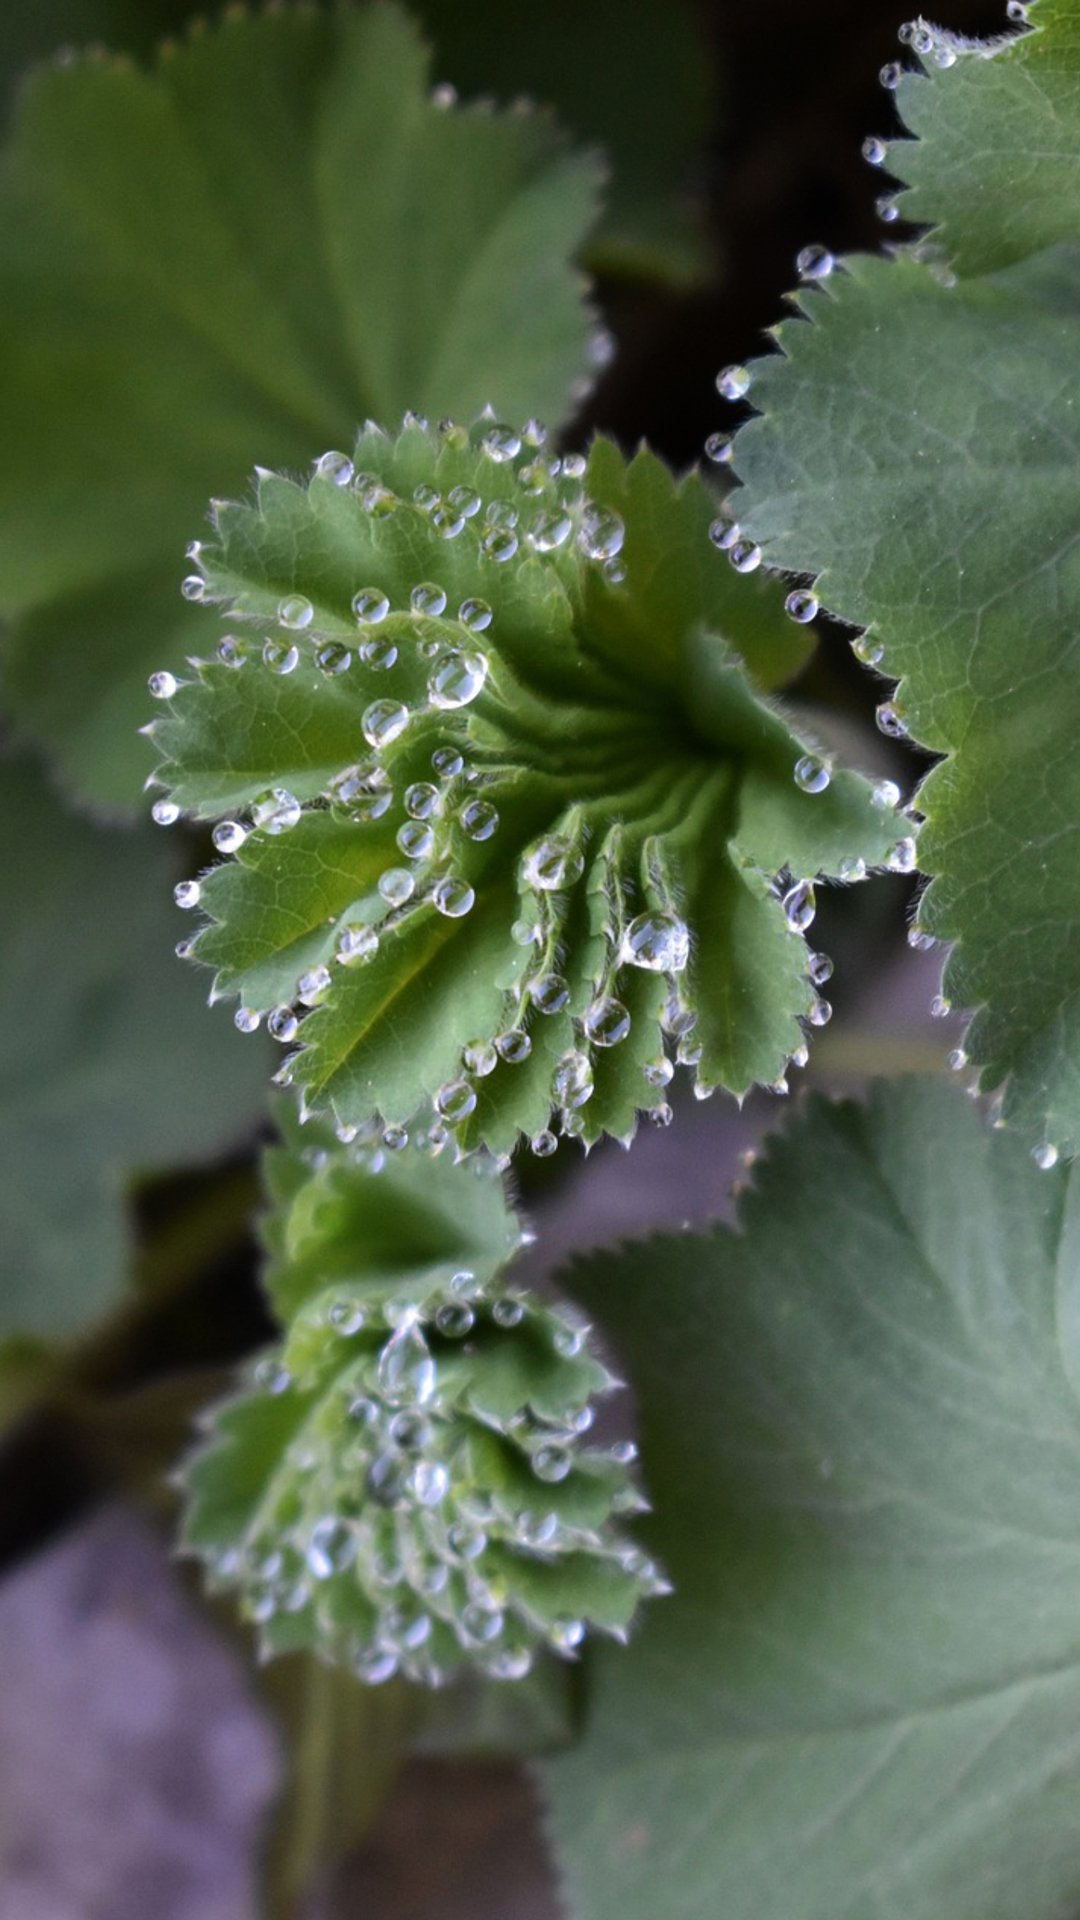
x: 796, y: 92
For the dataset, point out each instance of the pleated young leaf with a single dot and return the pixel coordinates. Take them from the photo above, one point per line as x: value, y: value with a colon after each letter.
x: 916, y: 451
x: 238, y: 254
x: 403, y: 1486
x: 507, y: 802
x: 861, y: 1430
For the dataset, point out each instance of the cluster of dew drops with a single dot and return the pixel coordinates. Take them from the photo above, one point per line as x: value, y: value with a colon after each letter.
x: 416, y: 1528
x: 541, y: 507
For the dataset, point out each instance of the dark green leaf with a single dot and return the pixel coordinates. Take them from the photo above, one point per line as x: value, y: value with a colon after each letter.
x: 239, y: 254
x: 861, y: 1432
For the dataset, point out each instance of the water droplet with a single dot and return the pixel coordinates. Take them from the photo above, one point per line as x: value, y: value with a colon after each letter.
x: 887, y: 209
x: 387, y: 1477
x: 466, y: 1541
x: 886, y: 795
x: 187, y: 894
x: 815, y: 263
x: 366, y: 791
x: 658, y: 1072
x: 499, y: 544
x: 406, y: 1371
x: 162, y: 685
x: 331, y: 1549
x: 455, y: 1100
x: 572, y: 1080
x: 514, y: 1046
x: 464, y: 500
x: 479, y: 819
x: 544, y: 1144
x: 165, y: 813
x: 295, y: 612
x: 891, y: 722
x: 193, y: 587
x: 456, y: 678
x: 890, y: 75
x: 875, y: 151
x: 802, y: 605
x: 280, y: 656
x: 940, y: 1007
x: 550, y: 530
x: 508, y: 1312
x: 661, y: 1116
x: 475, y: 614
x: 602, y: 533
x: 720, y: 449
x: 379, y: 654
x: 501, y: 443
x: 811, y: 774
x: 447, y: 521
x: 902, y: 858
x: 228, y: 836
x: 820, y: 969
x: 733, y: 383
x: 373, y: 1665
x: 552, y: 864
x: 745, y: 556
x: 454, y: 1319
x: 282, y: 1024
x: 276, y: 812
x: 724, y: 534
x: 356, y: 944
x: 868, y: 650
x: 852, y: 869
x: 549, y: 993
x: 231, y: 651
x: 335, y: 467
x: 552, y: 1463
x: 480, y: 1058
x: 606, y: 1022
x: 800, y: 906
x: 313, y: 986
x: 246, y: 1020
x: 958, y: 1060
x: 1045, y: 1156
x: 370, y: 606
x: 453, y: 896
x: 944, y: 55
x: 429, y: 1484
x: 383, y: 722
x: 396, y: 886
x: 567, y: 1635
x: 416, y: 841
x: 428, y: 599
x: 819, y: 1015
x: 658, y: 941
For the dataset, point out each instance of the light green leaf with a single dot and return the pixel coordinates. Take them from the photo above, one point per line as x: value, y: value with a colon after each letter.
x: 915, y: 450
x: 108, y: 1066
x: 516, y: 833
x: 273, y: 233
x: 860, y: 1428
x: 402, y: 1487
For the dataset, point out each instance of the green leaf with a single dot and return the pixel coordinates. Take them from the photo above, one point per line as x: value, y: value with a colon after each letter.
x: 915, y: 450
x: 640, y: 87
x: 108, y: 1067
x: 994, y: 167
x: 861, y: 1431
x: 402, y: 1486
x: 273, y: 233
x: 529, y: 801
